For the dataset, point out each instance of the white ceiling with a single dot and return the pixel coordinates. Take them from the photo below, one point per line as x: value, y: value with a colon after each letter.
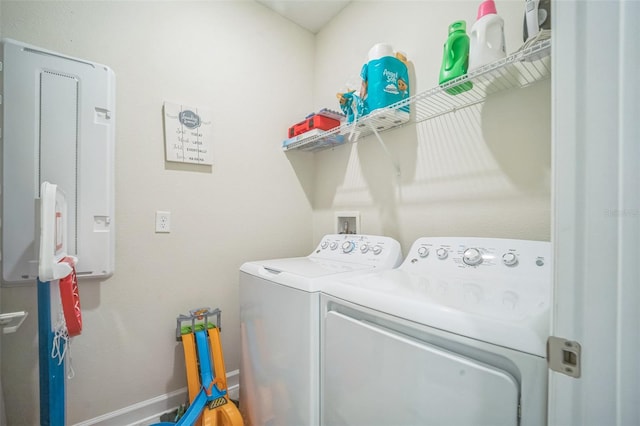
x: 309, y: 14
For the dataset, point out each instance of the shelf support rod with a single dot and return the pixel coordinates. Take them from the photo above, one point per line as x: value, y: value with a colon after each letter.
x: 396, y: 166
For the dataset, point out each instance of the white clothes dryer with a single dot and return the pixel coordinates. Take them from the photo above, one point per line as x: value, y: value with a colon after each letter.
x: 280, y: 325
x: 455, y: 336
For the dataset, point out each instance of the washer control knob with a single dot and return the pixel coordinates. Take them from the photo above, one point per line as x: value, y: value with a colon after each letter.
x: 324, y: 245
x: 472, y: 257
x: 364, y: 248
x: 423, y: 252
x: 442, y: 253
x: 333, y: 246
x: 348, y: 246
x: 510, y: 259
x: 377, y: 250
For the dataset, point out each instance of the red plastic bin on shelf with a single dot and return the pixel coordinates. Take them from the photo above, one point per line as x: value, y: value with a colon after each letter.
x: 316, y: 121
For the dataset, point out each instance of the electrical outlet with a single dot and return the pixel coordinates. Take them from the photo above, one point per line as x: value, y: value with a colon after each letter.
x: 163, y: 221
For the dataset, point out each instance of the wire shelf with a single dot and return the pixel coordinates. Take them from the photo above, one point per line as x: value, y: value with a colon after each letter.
x: 520, y: 69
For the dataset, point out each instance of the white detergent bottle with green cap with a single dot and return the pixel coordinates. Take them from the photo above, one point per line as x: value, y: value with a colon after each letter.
x: 486, y: 39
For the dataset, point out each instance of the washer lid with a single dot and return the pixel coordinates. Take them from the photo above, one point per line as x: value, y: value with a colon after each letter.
x: 513, y: 314
x: 335, y: 254
x: 300, y: 272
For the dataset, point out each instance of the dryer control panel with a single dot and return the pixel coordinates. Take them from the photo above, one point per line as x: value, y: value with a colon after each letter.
x: 363, y: 249
x: 485, y: 258
x: 493, y: 290
x: 504, y: 279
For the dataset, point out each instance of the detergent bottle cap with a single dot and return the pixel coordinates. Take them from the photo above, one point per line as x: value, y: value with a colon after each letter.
x: 487, y: 7
x: 401, y: 56
x: 458, y: 26
x: 380, y: 50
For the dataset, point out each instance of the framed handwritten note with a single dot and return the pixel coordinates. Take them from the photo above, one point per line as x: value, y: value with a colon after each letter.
x: 187, y: 134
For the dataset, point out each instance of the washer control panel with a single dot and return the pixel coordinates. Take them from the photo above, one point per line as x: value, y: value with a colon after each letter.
x: 366, y: 249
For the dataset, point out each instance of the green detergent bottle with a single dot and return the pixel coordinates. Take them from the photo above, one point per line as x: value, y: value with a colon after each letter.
x: 455, y: 58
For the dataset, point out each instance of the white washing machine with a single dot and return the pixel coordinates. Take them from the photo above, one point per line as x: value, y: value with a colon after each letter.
x: 280, y: 324
x: 455, y: 336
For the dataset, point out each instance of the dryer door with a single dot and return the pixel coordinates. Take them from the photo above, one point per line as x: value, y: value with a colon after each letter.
x: 374, y: 376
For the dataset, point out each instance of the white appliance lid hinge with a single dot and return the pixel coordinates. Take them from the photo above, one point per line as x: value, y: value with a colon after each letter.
x: 563, y: 356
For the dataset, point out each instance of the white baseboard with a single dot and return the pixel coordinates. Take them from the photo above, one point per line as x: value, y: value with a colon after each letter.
x: 149, y: 411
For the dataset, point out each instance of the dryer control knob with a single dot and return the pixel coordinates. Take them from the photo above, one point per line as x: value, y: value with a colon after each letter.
x: 472, y: 257
x: 442, y: 253
x: 423, y: 252
x: 364, y: 248
x: 510, y: 259
x: 348, y: 246
x: 324, y: 245
x: 333, y: 245
x: 377, y: 250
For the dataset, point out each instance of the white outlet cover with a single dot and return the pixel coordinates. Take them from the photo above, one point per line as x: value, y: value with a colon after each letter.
x: 163, y: 222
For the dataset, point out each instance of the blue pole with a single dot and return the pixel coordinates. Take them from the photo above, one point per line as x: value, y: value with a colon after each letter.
x: 52, y: 378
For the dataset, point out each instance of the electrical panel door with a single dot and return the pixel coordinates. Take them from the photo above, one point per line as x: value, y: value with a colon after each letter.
x: 58, y: 125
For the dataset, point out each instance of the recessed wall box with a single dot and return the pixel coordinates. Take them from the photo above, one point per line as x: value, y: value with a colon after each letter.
x: 58, y: 116
x: 348, y: 222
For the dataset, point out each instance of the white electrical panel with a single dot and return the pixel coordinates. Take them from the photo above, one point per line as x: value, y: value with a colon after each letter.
x: 58, y: 125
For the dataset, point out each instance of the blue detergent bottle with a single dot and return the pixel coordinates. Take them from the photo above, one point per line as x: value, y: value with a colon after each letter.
x: 385, y: 79
x: 455, y: 58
